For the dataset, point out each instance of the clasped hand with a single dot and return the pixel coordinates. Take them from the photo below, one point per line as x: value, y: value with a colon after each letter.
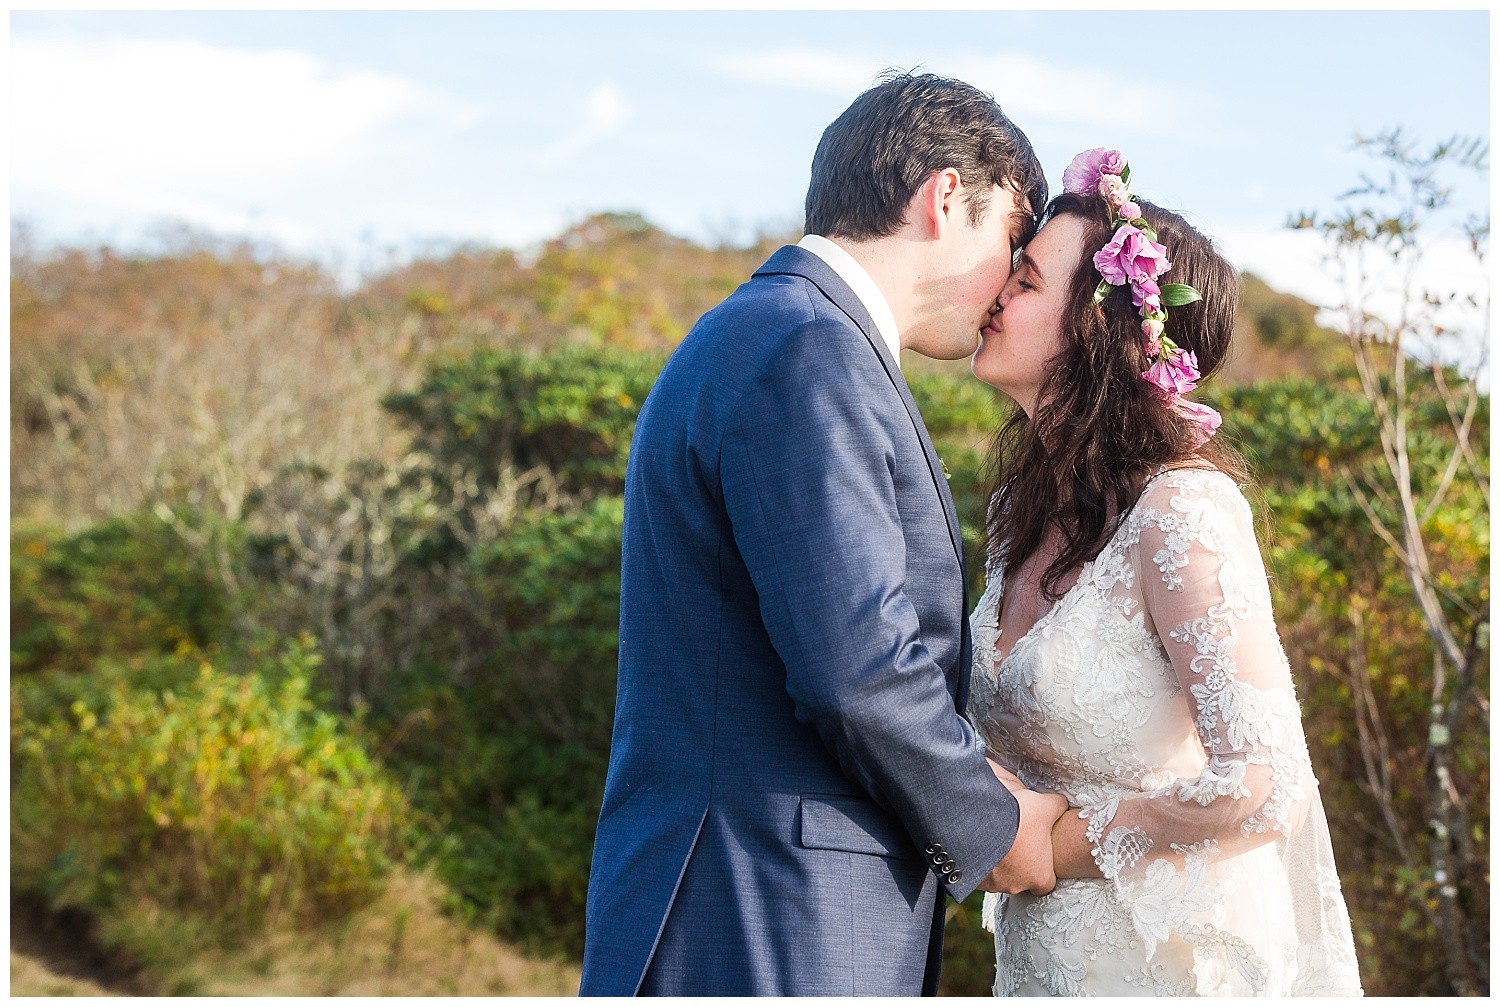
x: 1029, y: 866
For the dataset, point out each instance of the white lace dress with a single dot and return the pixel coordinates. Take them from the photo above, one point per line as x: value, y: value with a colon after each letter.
x: 1155, y: 696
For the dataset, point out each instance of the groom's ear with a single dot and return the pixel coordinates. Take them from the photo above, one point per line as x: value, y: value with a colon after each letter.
x: 940, y: 203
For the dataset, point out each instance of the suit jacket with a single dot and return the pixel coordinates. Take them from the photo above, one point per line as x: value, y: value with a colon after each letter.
x: 791, y: 781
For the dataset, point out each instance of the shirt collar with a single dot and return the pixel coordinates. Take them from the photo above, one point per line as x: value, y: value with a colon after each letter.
x: 859, y: 281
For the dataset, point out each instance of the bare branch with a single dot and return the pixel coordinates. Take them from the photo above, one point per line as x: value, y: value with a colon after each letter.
x: 1461, y: 429
x: 1461, y: 441
x: 1376, y: 524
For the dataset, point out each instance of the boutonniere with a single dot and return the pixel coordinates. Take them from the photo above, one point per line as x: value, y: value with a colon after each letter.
x: 946, y: 473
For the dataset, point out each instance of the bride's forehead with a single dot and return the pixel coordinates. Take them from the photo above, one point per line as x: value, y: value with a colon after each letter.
x: 1057, y: 243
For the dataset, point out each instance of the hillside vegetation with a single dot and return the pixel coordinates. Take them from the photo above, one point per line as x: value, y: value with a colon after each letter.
x: 316, y: 591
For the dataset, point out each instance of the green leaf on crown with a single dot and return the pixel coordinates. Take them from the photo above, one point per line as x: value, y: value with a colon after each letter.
x: 1125, y: 174
x: 1176, y: 294
x: 1102, y: 291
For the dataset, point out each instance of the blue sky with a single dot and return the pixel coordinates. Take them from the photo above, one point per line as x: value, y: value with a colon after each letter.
x: 335, y: 134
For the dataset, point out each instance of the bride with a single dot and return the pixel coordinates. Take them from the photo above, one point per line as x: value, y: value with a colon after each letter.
x: 1125, y: 652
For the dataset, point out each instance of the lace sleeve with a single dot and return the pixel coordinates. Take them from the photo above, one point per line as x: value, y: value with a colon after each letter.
x: 1204, y: 587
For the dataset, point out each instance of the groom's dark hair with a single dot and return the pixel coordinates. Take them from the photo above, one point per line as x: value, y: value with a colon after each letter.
x: 873, y: 158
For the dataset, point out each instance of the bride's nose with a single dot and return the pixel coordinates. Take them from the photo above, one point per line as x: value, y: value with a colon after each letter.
x: 1005, y: 294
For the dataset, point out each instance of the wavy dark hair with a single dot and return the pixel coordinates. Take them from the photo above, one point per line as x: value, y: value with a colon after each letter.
x: 1080, y: 462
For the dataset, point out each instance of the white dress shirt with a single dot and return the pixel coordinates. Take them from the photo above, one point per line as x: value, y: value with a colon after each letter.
x: 859, y: 281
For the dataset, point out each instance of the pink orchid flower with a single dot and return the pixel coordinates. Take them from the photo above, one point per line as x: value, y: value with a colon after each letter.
x: 1145, y: 294
x: 1151, y: 330
x: 1084, y: 173
x: 1113, y: 190
x: 1173, y: 376
x: 1131, y: 256
x: 1205, y: 419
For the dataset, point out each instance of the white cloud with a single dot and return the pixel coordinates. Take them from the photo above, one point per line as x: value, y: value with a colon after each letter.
x: 801, y: 69
x: 605, y: 111
x: 1026, y: 86
x: 1294, y: 261
x: 156, y: 126
x: 1032, y: 89
x: 1291, y: 261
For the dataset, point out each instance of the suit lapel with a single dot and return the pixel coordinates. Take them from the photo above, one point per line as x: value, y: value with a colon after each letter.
x: 794, y: 261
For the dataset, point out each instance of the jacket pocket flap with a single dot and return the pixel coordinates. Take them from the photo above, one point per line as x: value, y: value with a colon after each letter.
x: 851, y: 825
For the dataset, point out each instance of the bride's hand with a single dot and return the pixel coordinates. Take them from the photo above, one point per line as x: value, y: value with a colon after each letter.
x: 1071, y: 851
x: 1028, y: 866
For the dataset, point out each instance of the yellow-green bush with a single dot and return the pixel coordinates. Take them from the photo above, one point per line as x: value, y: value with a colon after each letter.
x: 229, y: 798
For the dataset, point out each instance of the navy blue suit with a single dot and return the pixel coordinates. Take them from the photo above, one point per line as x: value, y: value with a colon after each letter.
x: 791, y: 784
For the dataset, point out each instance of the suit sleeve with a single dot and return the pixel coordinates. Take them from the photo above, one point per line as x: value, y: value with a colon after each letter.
x: 807, y: 471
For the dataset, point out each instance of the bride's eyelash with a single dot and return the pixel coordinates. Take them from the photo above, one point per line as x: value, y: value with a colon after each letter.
x: 1026, y: 284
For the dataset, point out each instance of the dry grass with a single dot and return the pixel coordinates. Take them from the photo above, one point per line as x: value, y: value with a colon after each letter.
x: 32, y: 977
x: 400, y: 945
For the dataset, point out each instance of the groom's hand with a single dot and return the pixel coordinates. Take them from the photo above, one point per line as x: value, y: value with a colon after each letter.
x: 1028, y: 867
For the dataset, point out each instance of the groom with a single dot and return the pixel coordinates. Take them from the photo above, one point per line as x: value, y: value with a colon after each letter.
x: 792, y: 787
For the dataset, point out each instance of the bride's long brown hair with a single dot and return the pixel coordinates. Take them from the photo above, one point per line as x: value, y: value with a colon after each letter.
x: 1080, y: 462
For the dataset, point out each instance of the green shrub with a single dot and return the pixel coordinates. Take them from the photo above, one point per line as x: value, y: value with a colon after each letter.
x: 513, y: 762
x: 571, y: 411
x: 509, y: 755
x: 555, y: 584
x: 516, y: 812
x: 225, y: 797
x: 127, y: 585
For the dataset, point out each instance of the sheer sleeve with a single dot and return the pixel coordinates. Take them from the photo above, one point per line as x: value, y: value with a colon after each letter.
x: 1176, y: 854
x: 1204, y: 588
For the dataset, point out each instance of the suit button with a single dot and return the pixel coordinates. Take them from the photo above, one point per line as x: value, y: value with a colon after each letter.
x: 955, y: 877
x: 934, y: 848
x: 949, y: 869
x: 941, y: 859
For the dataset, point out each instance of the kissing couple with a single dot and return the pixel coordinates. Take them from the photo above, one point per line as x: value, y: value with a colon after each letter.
x: 816, y: 744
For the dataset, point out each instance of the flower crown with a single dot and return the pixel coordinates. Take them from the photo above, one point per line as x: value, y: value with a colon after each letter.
x: 1135, y: 257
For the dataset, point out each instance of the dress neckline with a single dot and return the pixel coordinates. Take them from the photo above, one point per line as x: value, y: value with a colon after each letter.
x: 1083, y: 573
x: 1046, y: 616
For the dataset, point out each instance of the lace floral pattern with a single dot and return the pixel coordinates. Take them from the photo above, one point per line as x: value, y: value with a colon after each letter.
x: 1156, y: 697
